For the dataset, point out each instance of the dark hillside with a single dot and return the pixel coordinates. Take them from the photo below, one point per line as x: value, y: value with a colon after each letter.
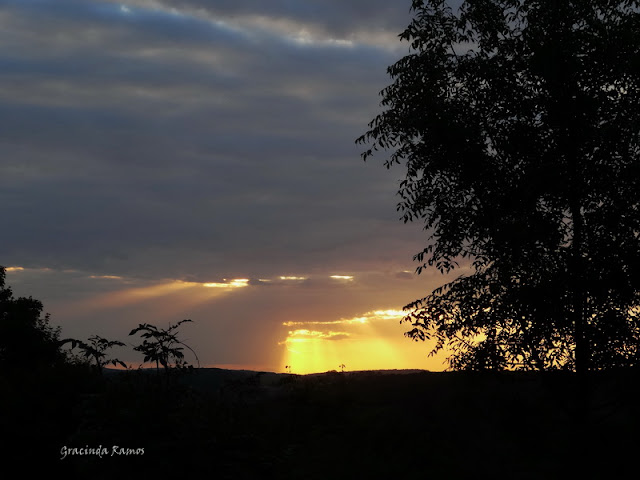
x: 241, y: 424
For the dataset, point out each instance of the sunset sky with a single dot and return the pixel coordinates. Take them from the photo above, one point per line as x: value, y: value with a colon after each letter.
x: 195, y: 159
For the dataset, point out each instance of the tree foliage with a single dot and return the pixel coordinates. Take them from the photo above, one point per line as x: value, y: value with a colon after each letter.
x: 162, y: 346
x: 27, y: 340
x: 96, y: 350
x: 518, y: 122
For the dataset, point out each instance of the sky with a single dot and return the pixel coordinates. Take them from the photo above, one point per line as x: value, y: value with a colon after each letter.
x: 196, y: 159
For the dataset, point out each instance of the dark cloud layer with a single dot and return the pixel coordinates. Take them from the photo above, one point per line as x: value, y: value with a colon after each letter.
x: 151, y: 141
x: 203, y: 138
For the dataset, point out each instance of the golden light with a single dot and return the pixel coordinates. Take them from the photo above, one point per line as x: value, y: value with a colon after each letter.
x: 387, y: 314
x: 322, y: 353
x: 371, y: 341
x: 367, y: 317
x: 178, y: 294
x: 303, y: 335
x: 235, y: 283
x: 134, y: 295
x: 296, y: 323
x: 342, y: 277
x: 14, y: 269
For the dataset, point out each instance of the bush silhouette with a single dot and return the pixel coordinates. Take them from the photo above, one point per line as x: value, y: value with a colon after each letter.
x: 162, y: 346
x: 96, y: 351
x: 27, y: 340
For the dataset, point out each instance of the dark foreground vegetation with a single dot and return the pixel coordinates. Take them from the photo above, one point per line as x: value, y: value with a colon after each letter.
x: 245, y: 425
x: 65, y: 413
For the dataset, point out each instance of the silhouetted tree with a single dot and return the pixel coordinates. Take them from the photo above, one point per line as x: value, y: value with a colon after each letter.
x: 162, y: 345
x: 27, y: 339
x: 518, y: 122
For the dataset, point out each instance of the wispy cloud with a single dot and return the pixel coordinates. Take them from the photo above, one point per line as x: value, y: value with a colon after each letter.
x: 368, y: 317
x: 106, y: 277
x: 235, y: 283
x: 304, y: 335
x: 342, y: 277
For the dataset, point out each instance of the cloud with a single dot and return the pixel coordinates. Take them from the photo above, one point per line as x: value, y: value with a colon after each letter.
x: 314, y: 21
x: 346, y: 278
x: 405, y: 275
x: 14, y: 269
x: 181, y: 131
x: 304, y: 335
x: 368, y: 317
x: 151, y: 147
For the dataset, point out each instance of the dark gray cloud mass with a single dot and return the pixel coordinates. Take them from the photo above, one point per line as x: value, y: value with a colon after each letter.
x: 195, y: 138
x: 150, y: 146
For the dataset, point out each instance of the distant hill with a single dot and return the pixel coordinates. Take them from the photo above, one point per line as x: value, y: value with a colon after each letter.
x: 408, y: 424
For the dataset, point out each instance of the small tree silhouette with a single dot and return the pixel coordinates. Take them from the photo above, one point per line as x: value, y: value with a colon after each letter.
x: 96, y: 350
x: 288, y: 368
x: 162, y: 346
x: 342, y: 367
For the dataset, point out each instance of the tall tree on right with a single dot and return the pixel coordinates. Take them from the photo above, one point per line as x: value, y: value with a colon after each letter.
x: 518, y: 122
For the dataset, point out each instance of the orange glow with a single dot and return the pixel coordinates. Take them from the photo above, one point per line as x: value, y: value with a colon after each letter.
x: 182, y: 295
x: 367, y: 342
x: 280, y: 335
x: 131, y: 296
x: 317, y: 354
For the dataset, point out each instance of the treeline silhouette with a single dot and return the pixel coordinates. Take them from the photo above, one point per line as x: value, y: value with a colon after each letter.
x: 54, y: 391
x: 28, y: 341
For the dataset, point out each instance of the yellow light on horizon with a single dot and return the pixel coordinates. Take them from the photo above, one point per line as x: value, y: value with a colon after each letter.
x: 316, y: 354
x: 365, y: 342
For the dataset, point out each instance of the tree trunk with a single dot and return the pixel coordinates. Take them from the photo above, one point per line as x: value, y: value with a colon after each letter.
x: 582, y: 347
x: 582, y: 351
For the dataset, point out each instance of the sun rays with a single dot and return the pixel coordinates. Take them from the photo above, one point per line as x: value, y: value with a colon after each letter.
x: 362, y: 342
